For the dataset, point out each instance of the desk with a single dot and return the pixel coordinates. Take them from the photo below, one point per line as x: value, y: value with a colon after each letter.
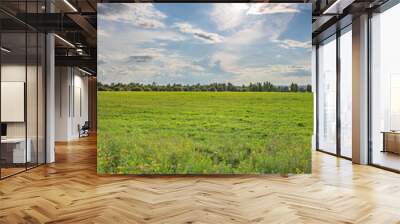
x: 16, y: 153
x: 391, y: 141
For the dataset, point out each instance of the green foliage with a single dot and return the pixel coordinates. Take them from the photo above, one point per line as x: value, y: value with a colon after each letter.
x: 204, y: 132
x: 294, y: 87
x: 214, y: 87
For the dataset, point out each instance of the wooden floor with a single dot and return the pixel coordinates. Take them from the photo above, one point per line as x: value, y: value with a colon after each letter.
x: 69, y: 191
x: 387, y: 159
x: 5, y: 172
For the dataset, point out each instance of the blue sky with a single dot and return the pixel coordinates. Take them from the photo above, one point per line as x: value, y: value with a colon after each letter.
x: 204, y: 43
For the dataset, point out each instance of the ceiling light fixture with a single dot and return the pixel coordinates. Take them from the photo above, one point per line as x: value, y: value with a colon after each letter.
x: 337, y: 7
x: 80, y: 51
x: 84, y: 71
x: 5, y: 50
x: 64, y: 40
x: 70, y: 5
x: 331, y: 7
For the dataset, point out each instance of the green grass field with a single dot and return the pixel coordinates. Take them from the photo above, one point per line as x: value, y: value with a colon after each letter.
x: 204, y: 132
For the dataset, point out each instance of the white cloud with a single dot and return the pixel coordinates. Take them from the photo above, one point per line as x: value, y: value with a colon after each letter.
x: 138, y: 36
x: 227, y: 60
x: 128, y: 39
x: 253, y: 21
x: 248, y: 34
x: 232, y: 15
x: 138, y: 14
x: 278, y: 74
x: 101, y: 32
x: 228, y: 15
x: 199, y: 33
x: 146, y: 65
x: 272, y: 8
x: 176, y: 63
x: 289, y: 44
x: 230, y: 62
x: 243, y: 73
x: 258, y: 26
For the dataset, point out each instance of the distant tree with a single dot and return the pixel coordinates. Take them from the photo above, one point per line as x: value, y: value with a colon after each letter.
x: 294, y: 87
x: 231, y: 87
x: 259, y: 87
x: 309, y: 88
x: 268, y: 86
x: 214, y: 87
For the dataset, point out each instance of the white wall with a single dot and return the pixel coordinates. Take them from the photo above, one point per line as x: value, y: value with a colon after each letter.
x: 33, y: 126
x: 13, y: 72
x: 62, y: 82
x: 13, y: 101
x: 16, y: 73
x: 71, y: 87
x: 79, y: 103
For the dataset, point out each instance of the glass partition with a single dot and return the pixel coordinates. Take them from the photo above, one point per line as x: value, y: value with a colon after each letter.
x: 13, y: 94
x: 327, y: 95
x: 346, y: 93
x: 385, y: 89
x: 22, y: 78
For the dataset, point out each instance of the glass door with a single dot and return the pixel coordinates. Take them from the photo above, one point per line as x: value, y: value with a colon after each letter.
x: 346, y: 92
x: 22, y: 78
x: 14, y: 155
x: 385, y: 89
x: 327, y: 95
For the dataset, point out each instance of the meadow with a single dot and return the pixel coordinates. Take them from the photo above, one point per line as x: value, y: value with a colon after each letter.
x: 204, y: 132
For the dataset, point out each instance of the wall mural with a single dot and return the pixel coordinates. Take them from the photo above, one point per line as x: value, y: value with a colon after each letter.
x: 201, y: 88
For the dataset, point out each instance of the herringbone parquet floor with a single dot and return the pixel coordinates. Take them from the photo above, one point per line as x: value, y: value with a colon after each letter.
x: 69, y: 191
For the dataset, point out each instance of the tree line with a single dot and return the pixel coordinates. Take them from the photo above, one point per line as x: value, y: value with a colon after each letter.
x: 214, y: 87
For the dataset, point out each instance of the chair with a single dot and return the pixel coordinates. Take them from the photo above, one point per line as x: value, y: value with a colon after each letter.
x: 84, y: 130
